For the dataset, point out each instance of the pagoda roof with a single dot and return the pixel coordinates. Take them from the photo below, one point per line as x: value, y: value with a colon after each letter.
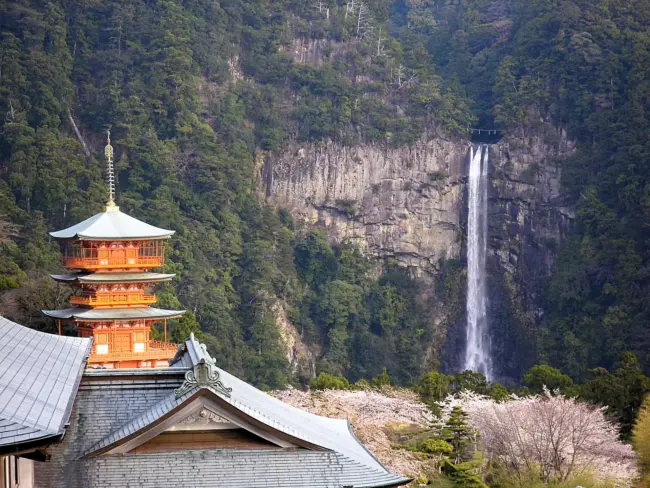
x: 39, y: 378
x: 112, y: 277
x: 102, y: 314
x: 112, y: 224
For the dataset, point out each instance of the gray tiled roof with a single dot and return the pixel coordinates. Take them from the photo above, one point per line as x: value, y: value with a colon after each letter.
x: 113, y: 313
x: 237, y: 469
x: 39, y: 377
x: 112, y: 225
x: 112, y: 277
x: 113, y: 405
x: 332, y: 434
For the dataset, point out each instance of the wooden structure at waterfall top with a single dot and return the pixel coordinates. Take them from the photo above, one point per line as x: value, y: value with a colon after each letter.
x: 110, y: 257
x: 488, y: 136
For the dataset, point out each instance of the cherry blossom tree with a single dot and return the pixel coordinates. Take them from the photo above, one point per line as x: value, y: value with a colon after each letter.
x: 557, y: 436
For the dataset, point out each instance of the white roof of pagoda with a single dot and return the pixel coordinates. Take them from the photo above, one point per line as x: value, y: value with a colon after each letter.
x: 112, y: 224
x: 89, y: 314
x: 112, y: 277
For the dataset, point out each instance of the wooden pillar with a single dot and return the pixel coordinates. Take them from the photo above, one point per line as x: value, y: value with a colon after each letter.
x: 165, y: 321
x: 59, y: 324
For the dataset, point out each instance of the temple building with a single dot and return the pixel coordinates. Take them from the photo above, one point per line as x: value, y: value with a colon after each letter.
x: 110, y: 257
x: 191, y: 425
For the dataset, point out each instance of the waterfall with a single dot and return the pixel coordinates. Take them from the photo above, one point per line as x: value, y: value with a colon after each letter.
x: 477, y: 352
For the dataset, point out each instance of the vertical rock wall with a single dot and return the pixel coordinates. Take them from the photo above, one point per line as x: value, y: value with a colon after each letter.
x: 409, y: 205
x: 399, y: 203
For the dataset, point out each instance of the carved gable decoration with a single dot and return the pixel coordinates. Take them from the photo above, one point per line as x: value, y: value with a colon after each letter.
x: 205, y: 417
x: 204, y: 374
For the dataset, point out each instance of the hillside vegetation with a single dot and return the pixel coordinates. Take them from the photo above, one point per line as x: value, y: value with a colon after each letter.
x: 196, y: 92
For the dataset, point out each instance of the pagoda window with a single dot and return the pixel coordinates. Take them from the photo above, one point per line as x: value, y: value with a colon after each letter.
x: 139, y: 342
x: 150, y: 249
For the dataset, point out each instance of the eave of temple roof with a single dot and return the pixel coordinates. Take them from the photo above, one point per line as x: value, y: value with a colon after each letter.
x: 112, y: 224
x: 253, y: 406
x: 113, y: 277
x: 286, y: 468
x: 39, y: 377
x: 103, y: 314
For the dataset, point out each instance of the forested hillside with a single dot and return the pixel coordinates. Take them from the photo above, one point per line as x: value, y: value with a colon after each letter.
x: 191, y: 91
x: 197, y: 92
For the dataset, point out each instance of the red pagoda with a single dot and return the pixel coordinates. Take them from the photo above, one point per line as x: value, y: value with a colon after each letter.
x: 110, y: 257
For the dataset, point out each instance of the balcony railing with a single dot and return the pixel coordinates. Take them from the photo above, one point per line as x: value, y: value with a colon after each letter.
x: 158, y: 350
x: 113, y: 262
x: 166, y: 346
x: 123, y: 299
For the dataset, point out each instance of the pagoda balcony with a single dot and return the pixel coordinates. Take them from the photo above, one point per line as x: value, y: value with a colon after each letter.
x: 111, y: 299
x: 94, y: 255
x: 157, y: 350
x: 94, y: 263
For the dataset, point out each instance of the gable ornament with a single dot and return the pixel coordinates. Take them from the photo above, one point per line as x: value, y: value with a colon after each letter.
x: 203, y: 375
x: 205, y: 416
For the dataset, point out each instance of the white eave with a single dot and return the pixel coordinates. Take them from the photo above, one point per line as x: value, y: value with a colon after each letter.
x: 101, y: 314
x: 113, y: 277
x: 112, y: 224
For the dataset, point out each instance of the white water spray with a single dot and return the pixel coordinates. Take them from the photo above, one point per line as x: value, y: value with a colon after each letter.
x: 477, y: 352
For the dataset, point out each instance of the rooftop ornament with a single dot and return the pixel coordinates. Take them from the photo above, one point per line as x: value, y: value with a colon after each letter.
x: 108, y: 152
x: 203, y: 375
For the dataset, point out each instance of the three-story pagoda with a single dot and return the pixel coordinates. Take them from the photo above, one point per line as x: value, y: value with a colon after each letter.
x: 110, y: 257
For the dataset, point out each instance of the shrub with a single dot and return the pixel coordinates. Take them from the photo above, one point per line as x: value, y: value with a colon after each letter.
x: 436, y: 446
x: 326, y: 381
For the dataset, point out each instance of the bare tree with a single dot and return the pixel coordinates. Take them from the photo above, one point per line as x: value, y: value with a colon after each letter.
x: 363, y: 18
x: 78, y: 134
x: 380, y: 49
x: 350, y: 7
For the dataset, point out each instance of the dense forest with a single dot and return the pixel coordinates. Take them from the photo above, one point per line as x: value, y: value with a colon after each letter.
x: 195, y: 92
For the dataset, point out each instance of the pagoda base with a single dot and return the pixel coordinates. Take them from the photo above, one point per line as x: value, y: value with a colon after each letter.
x: 125, y: 344
x: 97, y: 362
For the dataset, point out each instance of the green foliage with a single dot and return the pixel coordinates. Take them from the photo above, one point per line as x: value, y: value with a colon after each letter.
x: 498, y: 392
x: 464, y: 474
x: 641, y: 436
x: 325, y: 381
x: 470, y: 380
x: 622, y: 391
x: 381, y: 380
x: 436, y: 446
x: 464, y: 465
x: 498, y: 478
x: 433, y: 387
x: 458, y: 433
x: 194, y: 91
x: 541, y: 375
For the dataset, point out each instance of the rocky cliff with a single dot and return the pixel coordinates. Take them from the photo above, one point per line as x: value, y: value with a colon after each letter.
x: 408, y: 205
x: 529, y: 218
x: 399, y: 203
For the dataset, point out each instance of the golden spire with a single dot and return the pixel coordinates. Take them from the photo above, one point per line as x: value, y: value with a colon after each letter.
x: 108, y: 152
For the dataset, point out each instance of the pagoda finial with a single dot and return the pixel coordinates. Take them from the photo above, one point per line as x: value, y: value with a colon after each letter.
x: 108, y: 152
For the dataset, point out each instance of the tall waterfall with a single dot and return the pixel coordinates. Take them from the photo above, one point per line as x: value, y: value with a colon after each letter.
x: 477, y: 353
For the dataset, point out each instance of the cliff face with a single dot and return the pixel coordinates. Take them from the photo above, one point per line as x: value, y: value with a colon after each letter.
x: 528, y: 219
x: 400, y: 203
x: 409, y: 204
